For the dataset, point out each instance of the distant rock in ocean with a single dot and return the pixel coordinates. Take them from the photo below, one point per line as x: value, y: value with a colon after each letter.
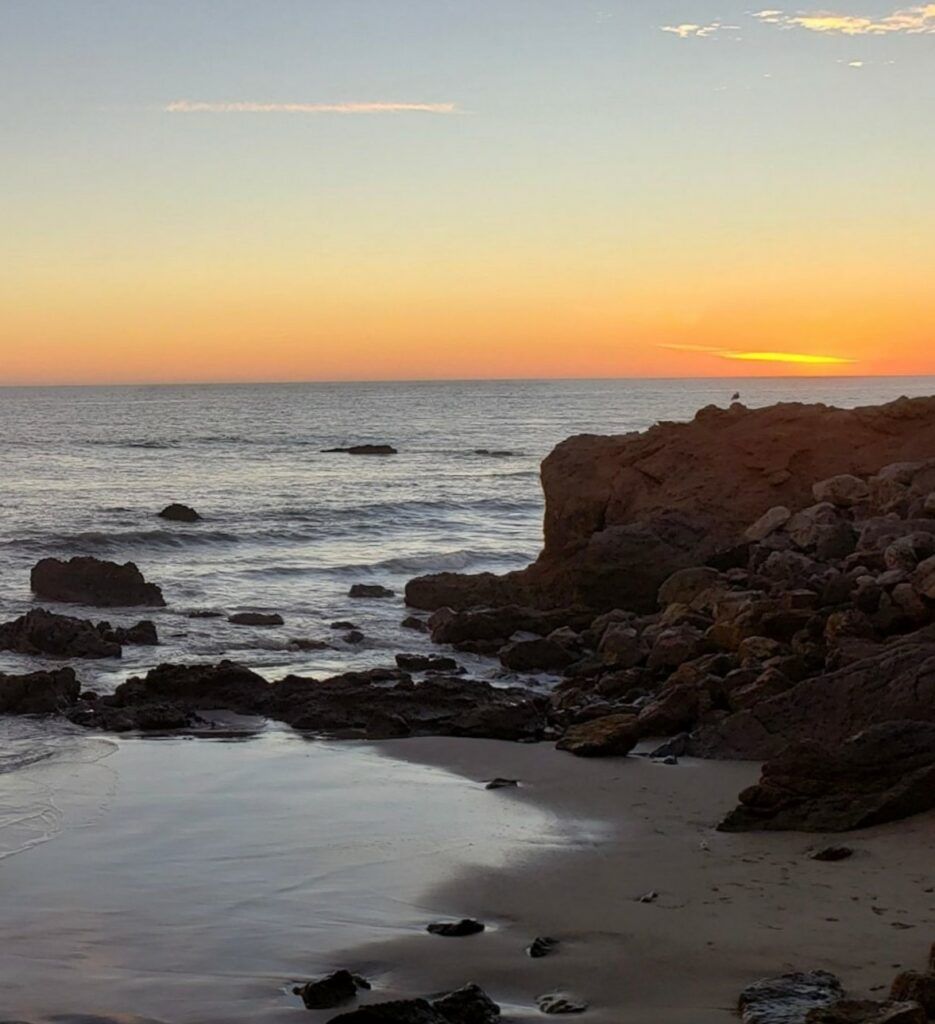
x: 179, y: 513
x: 363, y: 449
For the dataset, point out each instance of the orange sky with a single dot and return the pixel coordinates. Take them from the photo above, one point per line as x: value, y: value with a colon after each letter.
x: 560, y: 194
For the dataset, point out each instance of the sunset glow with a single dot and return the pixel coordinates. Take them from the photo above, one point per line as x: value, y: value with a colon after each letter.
x: 540, y: 189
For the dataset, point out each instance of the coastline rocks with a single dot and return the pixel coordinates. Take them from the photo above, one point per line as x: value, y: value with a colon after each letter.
x: 91, y: 581
x: 255, y: 619
x: 41, y: 632
x: 623, y: 513
x: 610, y: 736
x: 456, y: 929
x: 179, y: 513
x: 467, y: 1005
x: 425, y: 663
x: 540, y: 655
x: 367, y: 590
x: 880, y: 775
x: 327, y: 993
x: 227, y: 686
x: 363, y: 449
x: 38, y: 693
x: 789, y: 998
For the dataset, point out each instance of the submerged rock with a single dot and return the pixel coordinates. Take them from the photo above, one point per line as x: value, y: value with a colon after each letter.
x: 364, y: 590
x: 363, y: 449
x: 179, y: 513
x: 788, y: 999
x: 91, y: 581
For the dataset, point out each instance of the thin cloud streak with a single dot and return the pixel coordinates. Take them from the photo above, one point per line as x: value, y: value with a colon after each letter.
x: 205, y: 107
x: 802, y: 358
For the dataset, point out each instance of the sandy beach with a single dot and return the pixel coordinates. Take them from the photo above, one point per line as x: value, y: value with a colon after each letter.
x: 266, y: 862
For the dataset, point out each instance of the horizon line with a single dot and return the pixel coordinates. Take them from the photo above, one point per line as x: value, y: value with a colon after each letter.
x: 459, y: 380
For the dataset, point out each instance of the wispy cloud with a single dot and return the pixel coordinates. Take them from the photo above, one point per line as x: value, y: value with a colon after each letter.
x: 691, y: 31
x: 918, y: 20
x: 801, y: 358
x: 207, y: 107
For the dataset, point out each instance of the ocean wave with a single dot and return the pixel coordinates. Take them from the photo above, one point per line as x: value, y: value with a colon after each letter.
x: 95, y: 541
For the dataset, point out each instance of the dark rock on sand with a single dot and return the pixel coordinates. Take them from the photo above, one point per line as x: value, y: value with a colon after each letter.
x: 542, y: 946
x: 789, y: 998
x: 43, y: 632
x: 179, y: 513
x: 364, y: 590
x: 425, y: 663
x: 499, y: 783
x: 831, y: 854
x: 455, y: 929
x: 155, y: 716
x: 468, y: 1005
x: 255, y: 619
x: 399, y: 1011
x: 326, y: 993
x: 95, y: 582
x: 38, y: 693
x: 364, y: 449
x: 561, y: 1003
x: 917, y: 987
x: 880, y: 775
x: 226, y: 685
x: 610, y: 736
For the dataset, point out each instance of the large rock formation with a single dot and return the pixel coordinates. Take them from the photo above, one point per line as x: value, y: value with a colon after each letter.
x: 38, y: 693
x: 623, y: 513
x: 885, y: 773
x: 94, y: 582
x: 43, y: 632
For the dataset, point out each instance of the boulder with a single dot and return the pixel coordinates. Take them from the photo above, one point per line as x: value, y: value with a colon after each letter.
x: 917, y: 987
x: 38, y: 693
x: 94, y: 582
x: 399, y: 1011
x: 43, y: 632
x: 684, y: 586
x: 327, y: 993
x: 843, y: 491
x: 540, y: 655
x: 882, y: 774
x: 179, y: 513
x: 468, y: 1005
x: 227, y: 686
x: 611, y: 736
x: 893, y: 682
x: 768, y: 523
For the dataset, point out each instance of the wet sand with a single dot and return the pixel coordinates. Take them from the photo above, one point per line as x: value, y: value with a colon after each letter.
x: 195, y: 881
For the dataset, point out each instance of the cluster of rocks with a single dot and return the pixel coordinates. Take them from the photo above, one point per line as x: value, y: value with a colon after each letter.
x: 41, y: 632
x: 817, y: 997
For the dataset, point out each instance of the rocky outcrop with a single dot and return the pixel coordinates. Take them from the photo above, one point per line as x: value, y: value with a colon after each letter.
x: 467, y: 1005
x: 623, y: 513
x: 883, y: 774
x: 38, y: 693
x: 41, y: 632
x: 94, y: 582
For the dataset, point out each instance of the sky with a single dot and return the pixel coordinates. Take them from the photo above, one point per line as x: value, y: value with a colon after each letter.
x: 224, y: 190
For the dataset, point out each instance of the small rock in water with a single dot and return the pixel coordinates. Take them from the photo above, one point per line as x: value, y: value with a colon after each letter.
x: 561, y: 1002
x: 789, y: 998
x: 541, y: 947
x: 205, y: 613
x: 363, y: 449
x: 650, y: 897
x: 414, y: 622
x: 326, y: 993
x: 499, y: 783
x: 179, y: 513
x: 255, y: 619
x: 343, y: 625
x: 456, y: 929
x: 833, y: 853
x: 354, y: 637
x: 425, y: 663
x: 300, y: 644
x: 363, y: 590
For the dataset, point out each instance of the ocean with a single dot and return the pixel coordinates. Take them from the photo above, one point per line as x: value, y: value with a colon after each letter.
x: 196, y: 880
